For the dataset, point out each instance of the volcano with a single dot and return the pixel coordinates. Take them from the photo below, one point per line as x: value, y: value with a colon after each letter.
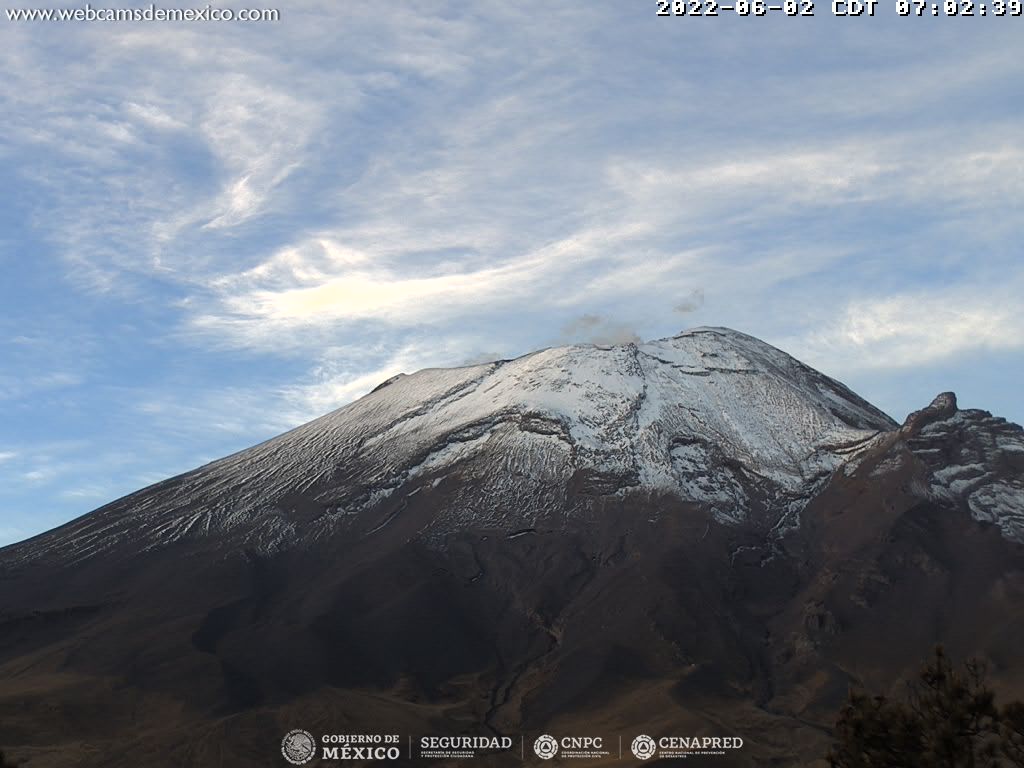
x: 696, y: 536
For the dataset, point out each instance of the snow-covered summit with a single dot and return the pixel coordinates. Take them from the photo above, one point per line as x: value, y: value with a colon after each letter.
x: 623, y: 409
x: 712, y: 415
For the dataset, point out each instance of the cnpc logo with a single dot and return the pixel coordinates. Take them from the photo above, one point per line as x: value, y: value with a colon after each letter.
x: 546, y: 746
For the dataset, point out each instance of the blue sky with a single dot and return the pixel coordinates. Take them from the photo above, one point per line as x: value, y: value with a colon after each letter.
x: 211, y: 232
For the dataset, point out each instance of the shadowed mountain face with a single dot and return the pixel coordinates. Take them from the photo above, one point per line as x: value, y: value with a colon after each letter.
x: 694, y: 536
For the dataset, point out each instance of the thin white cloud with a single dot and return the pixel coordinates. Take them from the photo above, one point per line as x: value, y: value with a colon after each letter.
x: 40, y: 474
x: 89, y: 493
x: 259, y: 135
x: 338, y: 388
x: 229, y: 413
x: 11, y: 534
x: 154, y: 116
x: 15, y: 387
x: 345, y: 374
x: 785, y: 183
x: 914, y: 329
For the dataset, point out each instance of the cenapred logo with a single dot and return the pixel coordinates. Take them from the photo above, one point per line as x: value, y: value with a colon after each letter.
x: 546, y: 747
x: 643, y: 747
x: 298, y: 747
x: 681, y: 747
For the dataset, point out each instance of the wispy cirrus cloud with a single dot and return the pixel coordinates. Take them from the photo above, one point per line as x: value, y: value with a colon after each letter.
x: 13, y: 387
x: 328, y: 282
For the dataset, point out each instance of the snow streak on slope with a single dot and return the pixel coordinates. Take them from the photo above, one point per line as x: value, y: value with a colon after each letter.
x: 711, y: 415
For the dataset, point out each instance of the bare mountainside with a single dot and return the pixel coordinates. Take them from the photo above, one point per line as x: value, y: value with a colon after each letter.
x: 698, y: 534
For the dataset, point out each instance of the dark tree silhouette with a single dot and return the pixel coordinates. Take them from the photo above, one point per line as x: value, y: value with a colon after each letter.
x: 948, y: 720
